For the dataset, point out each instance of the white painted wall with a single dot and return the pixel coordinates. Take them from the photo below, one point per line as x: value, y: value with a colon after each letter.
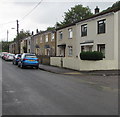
x: 119, y: 39
x: 55, y: 61
x: 116, y: 37
x: 106, y: 38
x: 28, y: 46
x: 83, y: 65
x: 67, y: 41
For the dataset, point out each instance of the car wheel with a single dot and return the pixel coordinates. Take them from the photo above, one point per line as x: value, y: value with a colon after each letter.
x: 18, y: 64
x: 13, y: 62
x: 21, y: 65
x: 37, y: 67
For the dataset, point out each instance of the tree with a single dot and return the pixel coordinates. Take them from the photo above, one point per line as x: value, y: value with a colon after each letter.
x: 5, y: 46
x: 50, y: 28
x: 75, y: 14
x: 116, y: 5
x: 23, y: 34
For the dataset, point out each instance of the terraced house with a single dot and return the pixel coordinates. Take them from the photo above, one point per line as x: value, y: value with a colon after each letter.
x: 66, y: 38
x: 101, y: 32
x: 45, y: 43
x: 13, y: 48
x: 25, y: 45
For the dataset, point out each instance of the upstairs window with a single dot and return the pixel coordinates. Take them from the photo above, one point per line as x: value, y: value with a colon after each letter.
x: 40, y: 39
x: 70, y: 33
x: 46, y: 38
x: 52, y: 36
x: 101, y: 26
x: 60, y: 35
x: 84, y: 30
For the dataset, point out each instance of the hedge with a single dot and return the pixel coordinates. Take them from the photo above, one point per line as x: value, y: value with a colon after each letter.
x: 91, y: 55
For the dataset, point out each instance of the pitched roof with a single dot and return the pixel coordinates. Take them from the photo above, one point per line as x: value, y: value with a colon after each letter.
x: 93, y: 16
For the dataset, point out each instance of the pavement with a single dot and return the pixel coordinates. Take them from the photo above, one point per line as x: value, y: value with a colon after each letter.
x: 66, y: 71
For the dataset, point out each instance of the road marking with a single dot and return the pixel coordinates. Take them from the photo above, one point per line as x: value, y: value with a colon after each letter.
x: 73, y: 73
x: 98, y: 86
x: 10, y: 91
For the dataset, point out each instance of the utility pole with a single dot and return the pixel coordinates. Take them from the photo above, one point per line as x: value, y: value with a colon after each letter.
x: 7, y: 41
x: 7, y: 35
x: 18, y: 43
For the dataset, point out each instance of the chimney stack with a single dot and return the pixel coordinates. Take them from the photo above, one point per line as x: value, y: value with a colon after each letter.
x: 97, y: 10
x: 37, y: 31
x: 32, y: 33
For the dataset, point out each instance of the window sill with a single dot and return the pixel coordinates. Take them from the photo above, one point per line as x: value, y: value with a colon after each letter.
x: 101, y: 33
x: 69, y: 55
x: 84, y: 36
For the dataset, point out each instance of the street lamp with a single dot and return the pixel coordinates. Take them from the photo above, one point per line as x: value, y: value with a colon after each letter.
x: 8, y: 39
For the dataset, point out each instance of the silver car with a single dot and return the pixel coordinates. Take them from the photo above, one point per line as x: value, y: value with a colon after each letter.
x: 9, y: 57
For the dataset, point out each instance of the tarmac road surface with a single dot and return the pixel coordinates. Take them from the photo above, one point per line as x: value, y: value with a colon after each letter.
x: 37, y: 92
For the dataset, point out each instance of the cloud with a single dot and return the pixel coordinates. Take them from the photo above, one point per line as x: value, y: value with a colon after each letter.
x: 46, y: 14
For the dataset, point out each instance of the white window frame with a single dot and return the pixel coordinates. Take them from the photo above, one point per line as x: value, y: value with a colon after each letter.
x: 52, y: 36
x: 41, y: 39
x: 83, y: 30
x: 46, y: 38
x: 60, y: 35
x: 70, y: 33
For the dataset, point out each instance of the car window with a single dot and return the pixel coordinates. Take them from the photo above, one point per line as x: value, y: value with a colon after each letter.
x: 30, y: 56
x: 22, y: 56
x: 11, y: 54
x: 19, y: 55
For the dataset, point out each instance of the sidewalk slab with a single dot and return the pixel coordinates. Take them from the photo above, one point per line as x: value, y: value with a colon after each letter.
x: 56, y: 70
x: 66, y: 71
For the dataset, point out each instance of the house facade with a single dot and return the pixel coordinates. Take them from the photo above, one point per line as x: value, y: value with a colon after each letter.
x: 45, y: 43
x: 25, y: 45
x: 13, y: 48
x: 101, y: 33
x: 66, y: 38
x: 98, y: 34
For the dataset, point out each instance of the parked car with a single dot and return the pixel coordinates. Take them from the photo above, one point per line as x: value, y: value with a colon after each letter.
x: 0, y: 54
x: 9, y: 57
x: 4, y: 55
x: 28, y: 59
x: 16, y: 59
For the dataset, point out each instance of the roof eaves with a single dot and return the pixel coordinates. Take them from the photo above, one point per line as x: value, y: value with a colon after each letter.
x: 68, y: 25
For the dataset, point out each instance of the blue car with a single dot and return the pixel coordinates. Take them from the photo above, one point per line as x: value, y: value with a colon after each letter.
x: 28, y: 59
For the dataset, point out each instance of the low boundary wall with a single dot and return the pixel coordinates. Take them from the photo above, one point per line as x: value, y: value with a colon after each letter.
x: 83, y: 65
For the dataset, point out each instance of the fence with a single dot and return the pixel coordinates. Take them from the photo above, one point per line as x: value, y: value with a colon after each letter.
x: 44, y: 59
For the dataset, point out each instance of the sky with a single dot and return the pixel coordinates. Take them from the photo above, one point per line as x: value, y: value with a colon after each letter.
x: 46, y: 14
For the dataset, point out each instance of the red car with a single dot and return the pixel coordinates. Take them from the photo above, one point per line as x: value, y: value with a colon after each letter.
x: 4, y: 55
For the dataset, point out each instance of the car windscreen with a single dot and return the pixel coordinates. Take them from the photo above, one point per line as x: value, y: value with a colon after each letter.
x: 11, y: 55
x: 19, y: 55
x: 30, y: 56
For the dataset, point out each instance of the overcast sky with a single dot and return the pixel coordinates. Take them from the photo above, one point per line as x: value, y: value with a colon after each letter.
x: 46, y: 14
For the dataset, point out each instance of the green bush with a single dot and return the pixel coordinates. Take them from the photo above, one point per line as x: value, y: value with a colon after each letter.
x: 91, y: 55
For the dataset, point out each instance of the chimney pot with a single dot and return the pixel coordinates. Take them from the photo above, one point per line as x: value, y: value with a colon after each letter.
x: 97, y: 10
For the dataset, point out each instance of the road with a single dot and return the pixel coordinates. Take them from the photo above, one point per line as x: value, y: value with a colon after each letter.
x: 36, y: 92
